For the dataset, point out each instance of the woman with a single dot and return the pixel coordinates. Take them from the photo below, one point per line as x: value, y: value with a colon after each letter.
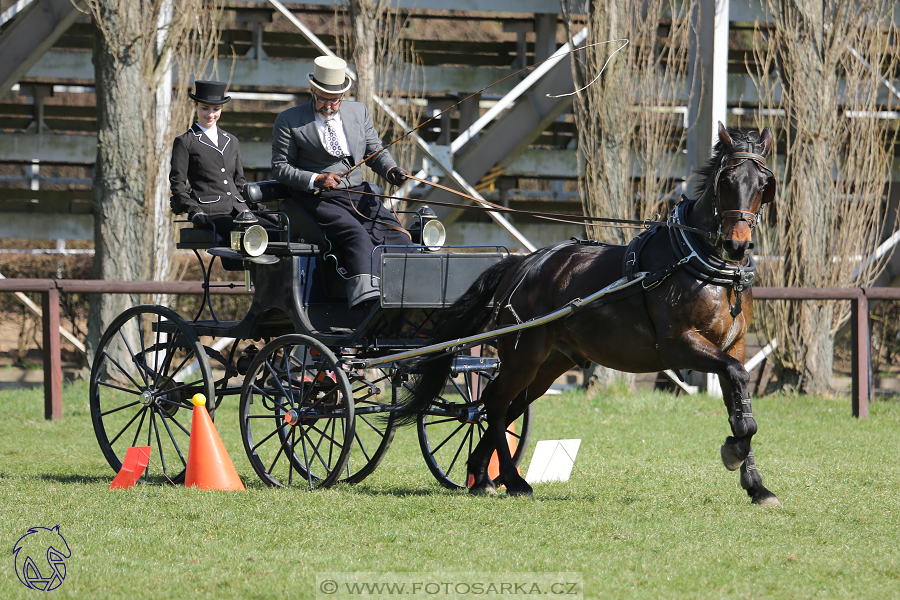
x: 207, y: 174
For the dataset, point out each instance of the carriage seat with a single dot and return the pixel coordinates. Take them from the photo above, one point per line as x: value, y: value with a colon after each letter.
x: 311, y: 238
x: 306, y: 229
x: 305, y: 232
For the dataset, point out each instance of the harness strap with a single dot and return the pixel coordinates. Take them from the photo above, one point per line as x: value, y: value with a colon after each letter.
x: 531, y: 262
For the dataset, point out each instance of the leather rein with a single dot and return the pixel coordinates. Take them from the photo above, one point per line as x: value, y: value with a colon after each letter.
x: 730, y: 162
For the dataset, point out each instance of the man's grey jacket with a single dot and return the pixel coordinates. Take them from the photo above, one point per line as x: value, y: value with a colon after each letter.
x: 298, y: 154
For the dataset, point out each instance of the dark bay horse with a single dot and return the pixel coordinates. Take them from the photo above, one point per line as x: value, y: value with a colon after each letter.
x: 690, y: 311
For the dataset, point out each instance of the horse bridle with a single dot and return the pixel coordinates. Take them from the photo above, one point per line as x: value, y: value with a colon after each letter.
x: 751, y: 219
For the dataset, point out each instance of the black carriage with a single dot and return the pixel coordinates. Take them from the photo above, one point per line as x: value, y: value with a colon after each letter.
x: 310, y: 414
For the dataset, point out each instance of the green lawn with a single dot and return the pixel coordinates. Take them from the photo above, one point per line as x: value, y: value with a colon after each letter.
x: 649, y: 512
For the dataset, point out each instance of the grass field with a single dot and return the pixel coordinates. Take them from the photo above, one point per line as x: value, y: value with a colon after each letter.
x: 649, y: 512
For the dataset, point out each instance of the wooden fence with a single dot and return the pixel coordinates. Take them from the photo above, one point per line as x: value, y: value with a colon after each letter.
x: 51, y: 288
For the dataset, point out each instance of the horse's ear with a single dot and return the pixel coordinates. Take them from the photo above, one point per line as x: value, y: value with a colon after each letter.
x: 765, y: 138
x: 723, y: 135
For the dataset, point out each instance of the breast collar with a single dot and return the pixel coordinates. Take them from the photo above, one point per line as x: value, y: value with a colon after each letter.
x: 701, y: 263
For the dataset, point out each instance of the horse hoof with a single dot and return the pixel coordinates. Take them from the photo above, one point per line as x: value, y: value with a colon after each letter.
x: 520, y: 494
x: 766, y: 500
x: 731, y: 460
x: 484, y: 489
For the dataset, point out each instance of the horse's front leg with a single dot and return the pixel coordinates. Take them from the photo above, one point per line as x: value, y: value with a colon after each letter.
x: 736, y: 452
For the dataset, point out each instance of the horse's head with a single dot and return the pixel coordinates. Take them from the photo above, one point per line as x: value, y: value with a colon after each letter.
x: 736, y: 185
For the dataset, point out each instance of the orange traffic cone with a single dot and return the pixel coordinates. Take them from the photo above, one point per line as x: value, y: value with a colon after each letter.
x: 494, y: 465
x: 208, y: 466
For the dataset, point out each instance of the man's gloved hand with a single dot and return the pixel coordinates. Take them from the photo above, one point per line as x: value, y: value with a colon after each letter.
x: 396, y: 176
x: 201, y: 220
x: 328, y: 181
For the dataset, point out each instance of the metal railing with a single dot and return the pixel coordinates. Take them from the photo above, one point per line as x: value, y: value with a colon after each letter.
x: 50, y: 289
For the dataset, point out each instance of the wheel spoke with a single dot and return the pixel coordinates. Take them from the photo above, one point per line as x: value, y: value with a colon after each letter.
x: 269, y: 397
x: 120, y: 388
x: 439, y: 421
x: 124, y: 372
x: 265, y: 439
x: 134, y: 358
x: 447, y: 439
x: 156, y: 369
x: 309, y: 476
x: 284, y: 392
x: 469, y: 436
x: 172, y: 437
x: 188, y: 356
x: 315, y: 447
x: 280, y: 450
x: 129, y: 405
x: 291, y: 462
x: 373, y: 427
x: 162, y: 456
x: 127, y: 425
x: 361, y: 445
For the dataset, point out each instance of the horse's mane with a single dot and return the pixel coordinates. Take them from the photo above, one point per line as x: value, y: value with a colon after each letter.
x: 744, y: 141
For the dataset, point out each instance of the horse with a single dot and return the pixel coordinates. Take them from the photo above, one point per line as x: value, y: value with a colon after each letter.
x: 690, y: 309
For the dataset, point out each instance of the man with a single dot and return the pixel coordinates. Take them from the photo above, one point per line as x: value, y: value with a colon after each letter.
x: 314, y: 146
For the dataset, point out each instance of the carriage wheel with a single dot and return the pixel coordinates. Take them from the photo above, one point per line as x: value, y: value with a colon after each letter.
x: 297, y: 414
x: 374, y: 429
x: 449, y: 432
x: 146, y: 369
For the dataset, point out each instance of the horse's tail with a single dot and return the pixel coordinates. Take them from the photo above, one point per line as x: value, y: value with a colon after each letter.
x: 467, y: 316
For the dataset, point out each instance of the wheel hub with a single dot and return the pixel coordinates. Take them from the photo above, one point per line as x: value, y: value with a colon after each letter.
x: 472, y: 414
x: 146, y: 397
x: 292, y: 417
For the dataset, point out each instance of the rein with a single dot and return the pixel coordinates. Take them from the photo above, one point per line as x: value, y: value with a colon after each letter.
x: 570, y: 219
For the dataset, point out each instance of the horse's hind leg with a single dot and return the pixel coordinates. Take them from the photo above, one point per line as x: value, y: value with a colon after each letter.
x: 500, y: 415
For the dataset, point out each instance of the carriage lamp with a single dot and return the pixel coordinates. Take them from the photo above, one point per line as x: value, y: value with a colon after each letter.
x: 433, y: 233
x: 248, y: 237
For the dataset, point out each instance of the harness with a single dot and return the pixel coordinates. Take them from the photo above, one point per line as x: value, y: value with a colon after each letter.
x: 685, y: 241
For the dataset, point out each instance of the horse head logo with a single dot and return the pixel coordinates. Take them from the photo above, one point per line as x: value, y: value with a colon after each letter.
x: 40, y: 557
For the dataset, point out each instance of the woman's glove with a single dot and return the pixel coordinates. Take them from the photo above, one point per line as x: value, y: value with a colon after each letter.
x: 201, y: 220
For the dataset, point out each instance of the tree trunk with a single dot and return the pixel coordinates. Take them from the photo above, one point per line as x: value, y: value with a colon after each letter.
x: 122, y: 213
x: 364, y: 19
x: 813, y: 106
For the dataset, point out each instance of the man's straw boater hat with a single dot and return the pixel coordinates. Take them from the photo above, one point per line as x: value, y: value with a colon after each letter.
x: 330, y: 75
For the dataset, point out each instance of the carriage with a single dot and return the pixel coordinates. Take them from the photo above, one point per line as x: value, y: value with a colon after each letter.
x: 320, y: 400
x: 316, y: 380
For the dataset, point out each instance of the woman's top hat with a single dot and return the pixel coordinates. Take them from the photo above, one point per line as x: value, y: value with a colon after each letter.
x: 330, y: 75
x: 209, y: 92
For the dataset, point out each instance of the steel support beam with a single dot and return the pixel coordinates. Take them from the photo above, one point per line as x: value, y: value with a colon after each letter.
x: 459, y: 180
x: 708, y: 71
x: 32, y: 32
x: 523, y: 114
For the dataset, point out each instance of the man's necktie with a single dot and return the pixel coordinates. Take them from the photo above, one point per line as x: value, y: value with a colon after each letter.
x: 331, y: 141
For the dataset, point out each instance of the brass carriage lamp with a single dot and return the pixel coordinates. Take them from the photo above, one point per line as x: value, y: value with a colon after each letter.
x: 248, y: 237
x: 433, y: 232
